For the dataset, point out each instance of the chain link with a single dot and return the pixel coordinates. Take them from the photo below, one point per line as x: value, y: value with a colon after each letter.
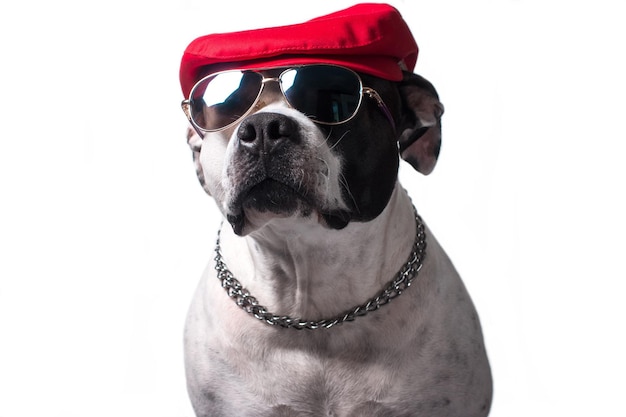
x: 397, y: 286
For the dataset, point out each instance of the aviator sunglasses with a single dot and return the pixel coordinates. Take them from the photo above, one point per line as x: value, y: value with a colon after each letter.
x: 326, y: 94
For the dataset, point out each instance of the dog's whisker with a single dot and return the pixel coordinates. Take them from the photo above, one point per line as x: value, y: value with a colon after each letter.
x: 326, y: 139
x: 339, y: 140
x: 344, y: 183
x: 325, y: 173
x: 325, y: 176
x: 302, y: 180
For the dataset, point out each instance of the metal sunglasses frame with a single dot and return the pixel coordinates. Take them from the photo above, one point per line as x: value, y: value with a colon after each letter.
x: 363, y: 91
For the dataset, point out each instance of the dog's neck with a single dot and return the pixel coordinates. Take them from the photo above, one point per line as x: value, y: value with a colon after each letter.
x: 301, y: 269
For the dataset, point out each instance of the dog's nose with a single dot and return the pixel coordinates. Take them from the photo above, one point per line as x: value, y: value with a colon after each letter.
x: 266, y: 132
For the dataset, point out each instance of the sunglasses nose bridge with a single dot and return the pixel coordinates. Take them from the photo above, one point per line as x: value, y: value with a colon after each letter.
x: 270, y: 79
x: 270, y: 93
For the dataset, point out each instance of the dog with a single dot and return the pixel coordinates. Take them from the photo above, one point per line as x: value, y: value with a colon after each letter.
x: 329, y: 295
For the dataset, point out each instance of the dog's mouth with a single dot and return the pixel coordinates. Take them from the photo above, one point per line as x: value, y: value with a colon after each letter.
x: 272, y: 198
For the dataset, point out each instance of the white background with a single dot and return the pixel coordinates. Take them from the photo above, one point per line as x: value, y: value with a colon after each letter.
x: 104, y: 230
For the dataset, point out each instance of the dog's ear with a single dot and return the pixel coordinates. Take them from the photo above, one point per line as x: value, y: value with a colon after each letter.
x: 420, y: 126
x: 195, y: 143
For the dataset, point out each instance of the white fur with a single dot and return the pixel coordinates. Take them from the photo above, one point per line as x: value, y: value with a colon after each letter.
x: 396, y: 359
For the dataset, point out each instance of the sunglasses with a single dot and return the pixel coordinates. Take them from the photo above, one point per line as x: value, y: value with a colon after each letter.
x: 326, y: 94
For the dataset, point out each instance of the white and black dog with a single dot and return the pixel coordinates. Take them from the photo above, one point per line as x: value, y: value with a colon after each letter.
x: 307, y: 310
x: 320, y: 225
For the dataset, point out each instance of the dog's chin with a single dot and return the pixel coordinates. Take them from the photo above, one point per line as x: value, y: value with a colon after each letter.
x: 272, y: 200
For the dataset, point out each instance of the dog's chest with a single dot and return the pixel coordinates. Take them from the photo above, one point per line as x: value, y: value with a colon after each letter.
x: 333, y: 382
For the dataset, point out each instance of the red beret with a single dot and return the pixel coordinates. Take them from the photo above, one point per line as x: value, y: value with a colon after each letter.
x: 370, y: 38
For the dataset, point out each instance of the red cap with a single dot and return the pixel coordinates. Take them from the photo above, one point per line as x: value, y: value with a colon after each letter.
x: 370, y: 38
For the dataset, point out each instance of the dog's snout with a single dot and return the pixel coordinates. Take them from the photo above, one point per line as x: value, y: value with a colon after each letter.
x: 265, y: 132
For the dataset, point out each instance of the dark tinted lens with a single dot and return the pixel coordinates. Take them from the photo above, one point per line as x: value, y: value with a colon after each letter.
x: 324, y: 93
x: 218, y: 101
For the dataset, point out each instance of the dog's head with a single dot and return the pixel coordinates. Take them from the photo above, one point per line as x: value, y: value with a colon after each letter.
x: 326, y: 147
x: 276, y: 162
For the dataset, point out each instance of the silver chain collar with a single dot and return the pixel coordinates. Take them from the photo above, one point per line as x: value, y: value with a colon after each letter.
x: 250, y: 305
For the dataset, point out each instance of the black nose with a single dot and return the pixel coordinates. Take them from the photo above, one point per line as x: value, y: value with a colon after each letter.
x: 266, y: 132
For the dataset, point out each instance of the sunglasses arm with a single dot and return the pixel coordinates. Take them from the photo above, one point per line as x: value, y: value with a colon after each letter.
x: 371, y: 93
